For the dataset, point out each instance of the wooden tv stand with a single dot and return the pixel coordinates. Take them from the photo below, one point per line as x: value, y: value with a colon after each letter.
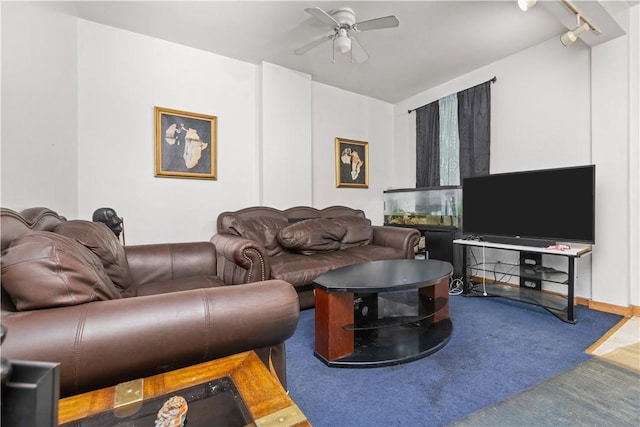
x: 558, y: 305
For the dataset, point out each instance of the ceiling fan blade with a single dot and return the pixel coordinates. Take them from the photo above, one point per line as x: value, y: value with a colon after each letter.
x: 377, y: 24
x: 323, y: 16
x: 358, y: 53
x: 312, y: 45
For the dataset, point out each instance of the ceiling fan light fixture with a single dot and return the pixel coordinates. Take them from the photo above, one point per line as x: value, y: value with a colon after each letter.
x: 343, y: 23
x: 342, y: 44
x: 526, y: 4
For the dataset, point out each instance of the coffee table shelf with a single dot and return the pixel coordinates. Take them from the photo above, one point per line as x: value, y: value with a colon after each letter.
x: 426, y: 307
x: 392, y: 346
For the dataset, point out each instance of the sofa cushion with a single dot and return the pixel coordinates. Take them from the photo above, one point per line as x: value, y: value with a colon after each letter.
x: 262, y: 229
x: 373, y: 253
x: 103, y: 242
x: 177, y: 285
x: 359, y: 231
x: 312, y: 236
x: 301, y: 270
x: 44, y: 269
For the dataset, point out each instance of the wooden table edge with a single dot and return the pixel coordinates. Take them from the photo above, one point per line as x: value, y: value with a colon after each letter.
x: 264, y: 396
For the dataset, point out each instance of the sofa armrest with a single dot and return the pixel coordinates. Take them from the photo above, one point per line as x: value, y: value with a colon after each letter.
x: 103, y: 343
x: 166, y: 261
x: 241, y: 260
x: 401, y: 238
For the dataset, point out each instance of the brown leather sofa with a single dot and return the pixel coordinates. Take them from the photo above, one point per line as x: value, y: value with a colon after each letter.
x: 300, y: 243
x: 107, y: 313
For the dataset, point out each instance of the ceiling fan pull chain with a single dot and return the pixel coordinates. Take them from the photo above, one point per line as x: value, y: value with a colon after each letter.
x: 351, y: 52
x: 333, y: 51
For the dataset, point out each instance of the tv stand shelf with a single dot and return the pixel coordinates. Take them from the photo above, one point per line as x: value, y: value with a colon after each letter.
x: 530, y: 277
x: 535, y: 273
x: 555, y: 304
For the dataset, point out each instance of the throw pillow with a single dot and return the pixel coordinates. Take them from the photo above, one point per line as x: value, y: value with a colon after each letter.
x: 359, y: 231
x: 262, y: 229
x: 99, y: 238
x: 44, y: 269
x: 312, y: 236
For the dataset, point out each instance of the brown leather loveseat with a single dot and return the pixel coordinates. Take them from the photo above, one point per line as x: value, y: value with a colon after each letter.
x: 298, y: 244
x: 107, y: 313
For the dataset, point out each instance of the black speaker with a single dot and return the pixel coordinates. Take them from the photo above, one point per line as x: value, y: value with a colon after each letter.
x: 365, y: 307
x: 530, y: 262
x: 30, y: 394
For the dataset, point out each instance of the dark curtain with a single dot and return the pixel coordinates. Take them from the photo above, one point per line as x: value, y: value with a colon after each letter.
x: 428, y: 145
x: 474, y: 124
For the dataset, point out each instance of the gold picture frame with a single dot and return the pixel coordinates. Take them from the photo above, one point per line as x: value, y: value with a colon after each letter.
x: 185, y: 144
x: 352, y: 163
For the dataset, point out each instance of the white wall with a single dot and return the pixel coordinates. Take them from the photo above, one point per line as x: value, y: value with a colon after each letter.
x: 611, y: 106
x: 634, y: 154
x: 554, y: 106
x: 528, y: 130
x: 540, y: 111
x: 341, y: 114
x: 284, y: 137
x: 121, y: 77
x: 39, y: 122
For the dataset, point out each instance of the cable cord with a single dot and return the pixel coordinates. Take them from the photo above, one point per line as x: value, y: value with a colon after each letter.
x: 475, y: 262
x: 507, y: 274
x: 456, y: 286
x: 484, y: 272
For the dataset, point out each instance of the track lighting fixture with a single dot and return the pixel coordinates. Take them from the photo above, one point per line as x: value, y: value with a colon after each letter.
x: 583, y: 24
x: 526, y: 4
x: 568, y: 38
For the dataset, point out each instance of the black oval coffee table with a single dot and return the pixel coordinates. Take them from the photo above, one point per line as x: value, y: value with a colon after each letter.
x: 382, y: 313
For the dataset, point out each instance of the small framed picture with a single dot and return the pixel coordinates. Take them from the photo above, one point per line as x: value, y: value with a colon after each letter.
x: 352, y: 163
x: 186, y: 144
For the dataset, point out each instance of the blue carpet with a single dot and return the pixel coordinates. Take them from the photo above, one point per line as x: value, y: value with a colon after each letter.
x: 497, y: 349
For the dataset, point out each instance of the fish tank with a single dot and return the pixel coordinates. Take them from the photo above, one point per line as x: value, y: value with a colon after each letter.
x: 427, y: 206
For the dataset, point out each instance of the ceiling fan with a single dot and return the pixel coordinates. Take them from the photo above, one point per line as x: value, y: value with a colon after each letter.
x: 343, y: 22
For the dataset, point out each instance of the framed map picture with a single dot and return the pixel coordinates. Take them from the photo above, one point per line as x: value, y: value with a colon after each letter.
x: 186, y: 144
x: 352, y: 163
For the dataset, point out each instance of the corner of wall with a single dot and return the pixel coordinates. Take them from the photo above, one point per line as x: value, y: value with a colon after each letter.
x: 259, y: 131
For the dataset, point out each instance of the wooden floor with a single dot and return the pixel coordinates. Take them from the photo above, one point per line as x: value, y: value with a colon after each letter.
x: 621, y: 345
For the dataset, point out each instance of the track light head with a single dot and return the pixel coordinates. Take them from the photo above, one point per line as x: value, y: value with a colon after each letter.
x: 526, y: 4
x: 568, y: 38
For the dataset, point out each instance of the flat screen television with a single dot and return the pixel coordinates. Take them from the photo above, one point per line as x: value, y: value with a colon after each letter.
x: 531, y: 208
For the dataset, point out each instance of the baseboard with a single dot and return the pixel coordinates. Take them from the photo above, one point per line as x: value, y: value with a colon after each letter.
x: 612, y: 308
x: 629, y: 311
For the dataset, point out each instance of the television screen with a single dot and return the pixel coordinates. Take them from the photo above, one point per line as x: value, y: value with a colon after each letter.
x: 553, y: 205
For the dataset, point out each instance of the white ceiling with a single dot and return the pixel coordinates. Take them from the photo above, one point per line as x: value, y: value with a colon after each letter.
x: 435, y: 42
